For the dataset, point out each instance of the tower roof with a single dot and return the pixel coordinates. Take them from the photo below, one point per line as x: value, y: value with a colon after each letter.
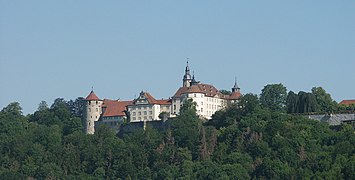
x: 235, y: 87
x: 187, y: 75
x: 92, y: 97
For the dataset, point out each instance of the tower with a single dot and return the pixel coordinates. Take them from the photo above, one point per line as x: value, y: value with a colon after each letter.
x: 235, y: 88
x: 92, y: 112
x: 235, y: 96
x: 187, y: 76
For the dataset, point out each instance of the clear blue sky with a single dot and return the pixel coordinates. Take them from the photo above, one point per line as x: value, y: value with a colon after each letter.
x: 51, y: 49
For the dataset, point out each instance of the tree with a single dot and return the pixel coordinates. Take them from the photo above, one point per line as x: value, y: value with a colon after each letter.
x: 185, y: 128
x: 292, y: 102
x: 13, y: 108
x: 42, y: 106
x: 249, y: 102
x: 77, y: 107
x: 225, y: 92
x: 324, y: 100
x: 307, y: 102
x: 273, y: 96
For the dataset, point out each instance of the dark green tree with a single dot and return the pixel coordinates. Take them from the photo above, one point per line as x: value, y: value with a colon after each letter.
x: 324, y: 100
x: 273, y: 96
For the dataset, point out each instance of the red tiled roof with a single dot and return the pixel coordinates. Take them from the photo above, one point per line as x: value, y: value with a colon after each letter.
x: 180, y: 91
x: 150, y: 98
x: 164, y: 102
x: 115, y: 108
x: 193, y: 89
x: 347, y: 102
x: 92, y: 97
x: 208, y: 90
x: 234, y: 96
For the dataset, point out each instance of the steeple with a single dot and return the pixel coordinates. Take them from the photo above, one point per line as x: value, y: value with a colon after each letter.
x: 235, y: 87
x: 187, y: 76
x: 193, y: 81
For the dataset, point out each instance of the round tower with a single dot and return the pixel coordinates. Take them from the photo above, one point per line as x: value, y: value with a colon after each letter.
x: 92, y: 112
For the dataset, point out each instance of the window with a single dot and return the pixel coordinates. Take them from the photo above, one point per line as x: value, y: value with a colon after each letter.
x: 201, y: 109
x: 145, y: 117
x: 150, y: 117
x: 174, y: 107
x: 150, y: 112
x: 134, y: 118
x: 139, y: 118
x: 134, y: 113
x: 145, y: 112
x: 89, y: 102
x: 89, y: 109
x: 97, y: 102
x: 139, y: 113
x: 97, y: 109
x: 194, y: 95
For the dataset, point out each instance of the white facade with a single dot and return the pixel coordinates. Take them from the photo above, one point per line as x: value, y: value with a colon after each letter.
x: 206, y: 106
x: 146, y: 108
x: 208, y: 99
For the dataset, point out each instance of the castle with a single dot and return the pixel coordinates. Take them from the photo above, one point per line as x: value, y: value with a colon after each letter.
x: 146, y: 108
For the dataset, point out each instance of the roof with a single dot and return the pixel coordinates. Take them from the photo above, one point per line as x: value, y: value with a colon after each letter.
x: 92, y: 97
x: 347, y: 102
x: 234, y: 96
x: 152, y: 100
x: 164, y: 102
x: 207, y: 89
x: 115, y: 108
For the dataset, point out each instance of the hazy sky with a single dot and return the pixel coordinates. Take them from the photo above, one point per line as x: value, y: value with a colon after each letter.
x: 51, y: 49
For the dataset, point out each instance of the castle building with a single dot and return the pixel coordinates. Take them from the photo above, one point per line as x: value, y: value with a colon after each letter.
x: 208, y: 98
x: 146, y: 108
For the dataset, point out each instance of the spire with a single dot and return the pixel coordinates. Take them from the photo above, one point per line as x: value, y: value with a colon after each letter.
x: 187, y: 69
x: 235, y: 87
x: 193, y: 81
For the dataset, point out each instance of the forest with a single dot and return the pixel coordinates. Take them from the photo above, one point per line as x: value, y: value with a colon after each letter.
x: 260, y: 137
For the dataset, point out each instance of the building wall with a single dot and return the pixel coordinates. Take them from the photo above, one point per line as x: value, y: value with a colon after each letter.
x: 146, y: 112
x: 92, y: 113
x: 206, y: 106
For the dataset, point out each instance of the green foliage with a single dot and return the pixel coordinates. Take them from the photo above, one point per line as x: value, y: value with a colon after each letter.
x: 243, y: 141
x: 302, y: 102
x: 273, y: 96
x: 225, y: 92
x: 325, y: 101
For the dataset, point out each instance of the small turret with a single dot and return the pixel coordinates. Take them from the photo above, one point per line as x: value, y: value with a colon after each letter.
x: 235, y: 96
x: 235, y: 87
x: 193, y: 81
x: 92, y: 112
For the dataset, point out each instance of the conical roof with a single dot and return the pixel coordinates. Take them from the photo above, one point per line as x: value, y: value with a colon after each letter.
x: 92, y: 97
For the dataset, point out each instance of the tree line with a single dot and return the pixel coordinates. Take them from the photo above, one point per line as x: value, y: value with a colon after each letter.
x: 254, y: 139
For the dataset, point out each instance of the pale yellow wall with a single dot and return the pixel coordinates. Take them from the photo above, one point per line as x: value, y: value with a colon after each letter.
x: 93, y: 110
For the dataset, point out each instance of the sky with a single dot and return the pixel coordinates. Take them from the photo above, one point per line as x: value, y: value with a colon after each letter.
x: 51, y: 49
